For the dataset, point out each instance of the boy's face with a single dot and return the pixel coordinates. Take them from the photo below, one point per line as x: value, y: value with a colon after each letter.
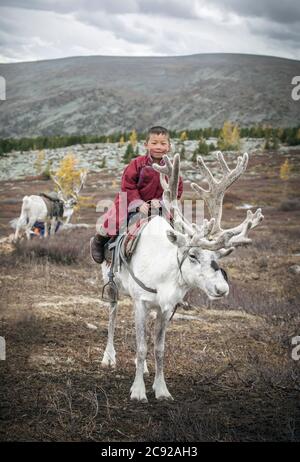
x: 157, y: 145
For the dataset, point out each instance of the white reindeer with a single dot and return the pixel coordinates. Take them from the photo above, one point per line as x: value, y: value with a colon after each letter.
x: 172, y: 261
x: 34, y: 208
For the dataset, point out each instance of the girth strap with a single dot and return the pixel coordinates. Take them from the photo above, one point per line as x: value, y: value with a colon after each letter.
x: 138, y: 281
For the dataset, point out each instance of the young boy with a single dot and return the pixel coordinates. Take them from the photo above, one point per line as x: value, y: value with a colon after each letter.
x: 141, y: 183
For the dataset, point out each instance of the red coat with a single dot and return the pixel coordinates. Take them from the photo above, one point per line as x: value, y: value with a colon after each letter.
x: 141, y: 183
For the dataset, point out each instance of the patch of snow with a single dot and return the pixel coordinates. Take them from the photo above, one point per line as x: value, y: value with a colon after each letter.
x: 91, y: 326
x: 245, y: 207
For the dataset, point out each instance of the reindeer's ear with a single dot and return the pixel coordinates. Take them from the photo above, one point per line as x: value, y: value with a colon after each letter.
x: 176, y: 238
x: 224, y: 252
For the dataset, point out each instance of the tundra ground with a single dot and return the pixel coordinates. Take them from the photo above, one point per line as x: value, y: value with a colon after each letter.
x: 228, y: 364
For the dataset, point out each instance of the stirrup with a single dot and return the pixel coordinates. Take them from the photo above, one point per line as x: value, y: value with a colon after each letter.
x: 110, y: 291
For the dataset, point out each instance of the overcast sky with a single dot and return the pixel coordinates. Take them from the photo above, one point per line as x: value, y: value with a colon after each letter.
x: 47, y: 29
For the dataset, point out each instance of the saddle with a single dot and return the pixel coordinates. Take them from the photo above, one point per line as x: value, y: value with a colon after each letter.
x: 128, y: 240
x: 119, y: 250
x: 55, y: 206
x: 136, y: 223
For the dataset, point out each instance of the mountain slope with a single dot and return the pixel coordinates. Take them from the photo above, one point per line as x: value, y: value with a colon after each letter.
x: 99, y: 94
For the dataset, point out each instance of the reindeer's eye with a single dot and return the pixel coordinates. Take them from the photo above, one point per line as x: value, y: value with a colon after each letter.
x: 193, y: 258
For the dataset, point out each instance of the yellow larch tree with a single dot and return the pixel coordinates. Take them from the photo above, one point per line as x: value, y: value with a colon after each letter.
x: 133, y: 138
x: 183, y: 136
x: 229, y: 138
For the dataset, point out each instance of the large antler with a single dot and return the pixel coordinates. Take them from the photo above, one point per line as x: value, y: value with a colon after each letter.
x: 170, y: 194
x: 172, y: 171
x: 170, y: 187
x: 213, y: 198
x: 78, y: 188
x: 55, y: 180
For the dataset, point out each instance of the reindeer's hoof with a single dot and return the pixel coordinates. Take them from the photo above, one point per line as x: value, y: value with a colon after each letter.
x: 140, y: 399
x: 108, y: 364
x: 168, y: 397
x: 162, y: 393
x: 108, y: 361
x: 138, y: 393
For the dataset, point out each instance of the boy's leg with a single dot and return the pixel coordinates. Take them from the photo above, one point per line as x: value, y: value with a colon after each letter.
x: 97, y: 244
x: 109, y: 228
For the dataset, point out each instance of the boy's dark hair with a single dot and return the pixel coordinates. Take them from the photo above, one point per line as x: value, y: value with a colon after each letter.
x: 157, y: 130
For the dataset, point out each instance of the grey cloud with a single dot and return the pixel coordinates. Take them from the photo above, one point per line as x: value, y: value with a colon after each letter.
x: 170, y: 8
x: 118, y: 26
x: 174, y: 8
x: 174, y: 27
x: 43, y: 5
x: 285, y: 12
x: 9, y: 36
x: 6, y: 25
x: 278, y: 32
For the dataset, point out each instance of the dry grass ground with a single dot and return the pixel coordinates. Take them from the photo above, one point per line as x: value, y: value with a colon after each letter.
x: 228, y: 363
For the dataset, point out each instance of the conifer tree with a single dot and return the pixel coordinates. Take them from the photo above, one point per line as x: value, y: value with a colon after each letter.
x: 129, y: 153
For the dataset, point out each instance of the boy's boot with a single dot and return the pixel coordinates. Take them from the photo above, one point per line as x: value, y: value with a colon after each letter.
x: 97, y: 244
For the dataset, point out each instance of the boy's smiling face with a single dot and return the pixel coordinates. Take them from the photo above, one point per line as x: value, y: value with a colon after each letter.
x: 157, y: 145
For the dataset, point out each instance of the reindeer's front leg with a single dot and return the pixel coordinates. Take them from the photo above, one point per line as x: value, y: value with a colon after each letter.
x: 146, y: 371
x: 46, y: 233
x: 159, y: 385
x: 109, y: 357
x: 53, y: 226
x: 138, y: 390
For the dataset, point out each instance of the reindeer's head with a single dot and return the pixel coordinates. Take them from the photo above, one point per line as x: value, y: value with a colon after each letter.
x: 200, y: 268
x: 200, y: 248
x: 70, y: 200
x: 69, y: 205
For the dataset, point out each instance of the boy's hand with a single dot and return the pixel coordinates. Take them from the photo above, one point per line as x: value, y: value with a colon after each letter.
x: 155, y: 203
x: 144, y: 208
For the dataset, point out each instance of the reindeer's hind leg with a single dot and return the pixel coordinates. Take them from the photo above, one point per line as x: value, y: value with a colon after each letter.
x: 109, y: 357
x: 52, y: 226
x: 29, y: 227
x: 46, y: 229
x: 17, y: 232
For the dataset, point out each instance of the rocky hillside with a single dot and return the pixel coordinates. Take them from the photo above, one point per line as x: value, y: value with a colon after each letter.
x: 98, y: 94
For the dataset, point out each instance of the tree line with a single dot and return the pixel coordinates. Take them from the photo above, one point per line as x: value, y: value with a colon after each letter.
x: 272, y: 136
